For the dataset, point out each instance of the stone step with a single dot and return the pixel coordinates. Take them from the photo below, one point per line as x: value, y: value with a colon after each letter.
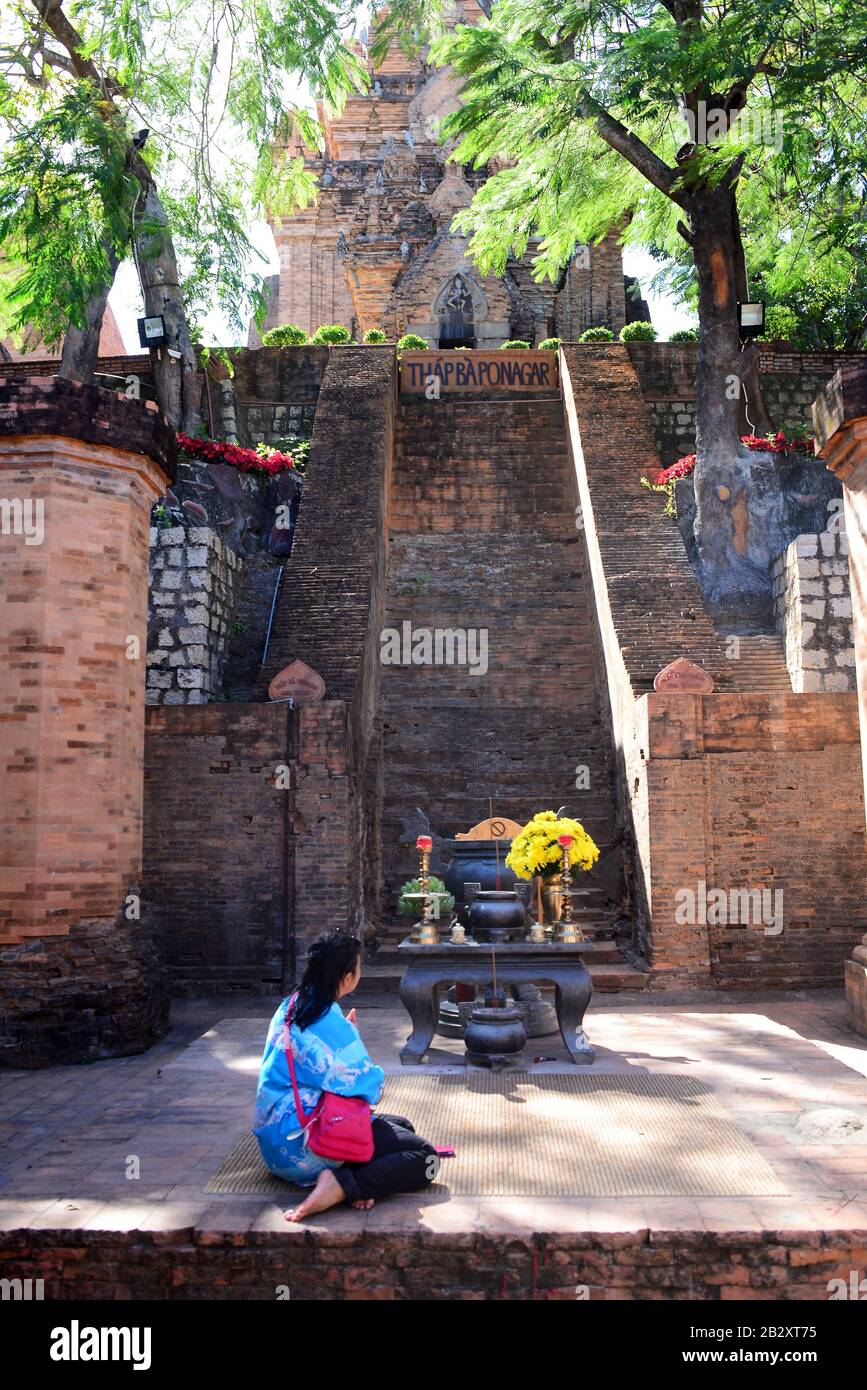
x: 760, y: 663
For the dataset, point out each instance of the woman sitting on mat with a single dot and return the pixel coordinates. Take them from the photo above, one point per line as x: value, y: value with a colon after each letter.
x: 328, y: 1055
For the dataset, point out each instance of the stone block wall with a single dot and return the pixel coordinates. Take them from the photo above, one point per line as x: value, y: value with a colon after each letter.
x: 195, y: 578
x: 814, y: 612
x: 790, y: 381
x: 276, y: 392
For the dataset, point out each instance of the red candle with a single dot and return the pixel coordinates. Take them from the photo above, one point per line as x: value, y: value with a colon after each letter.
x: 424, y: 842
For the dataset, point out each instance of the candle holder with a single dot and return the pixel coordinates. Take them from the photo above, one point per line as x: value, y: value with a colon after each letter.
x: 426, y: 931
x: 566, y: 930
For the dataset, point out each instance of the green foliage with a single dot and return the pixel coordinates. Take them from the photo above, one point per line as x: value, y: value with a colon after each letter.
x: 684, y: 335
x: 667, y: 489
x: 638, y: 333
x: 66, y: 199
x: 333, y: 333
x: 597, y: 335
x: 209, y: 82
x: 375, y: 337
x: 413, y: 907
x: 287, y: 335
x: 780, y: 322
x: 549, y: 345
x: 513, y: 343
x: 411, y: 342
x: 581, y: 104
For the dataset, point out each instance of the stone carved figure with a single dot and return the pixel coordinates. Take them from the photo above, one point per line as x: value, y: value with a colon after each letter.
x: 457, y: 309
x: 342, y: 247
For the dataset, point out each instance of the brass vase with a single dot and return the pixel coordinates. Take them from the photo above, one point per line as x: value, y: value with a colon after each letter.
x: 552, y: 899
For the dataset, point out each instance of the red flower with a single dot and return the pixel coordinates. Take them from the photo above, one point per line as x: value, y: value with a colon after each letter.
x: 246, y: 460
x: 424, y: 842
x: 681, y: 469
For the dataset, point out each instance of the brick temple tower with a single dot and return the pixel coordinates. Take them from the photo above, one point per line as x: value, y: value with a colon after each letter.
x: 376, y: 249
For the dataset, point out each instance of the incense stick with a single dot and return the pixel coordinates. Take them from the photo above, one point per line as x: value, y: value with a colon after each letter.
x: 496, y: 842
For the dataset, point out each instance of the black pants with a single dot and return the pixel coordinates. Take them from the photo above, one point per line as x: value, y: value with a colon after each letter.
x: 402, y: 1162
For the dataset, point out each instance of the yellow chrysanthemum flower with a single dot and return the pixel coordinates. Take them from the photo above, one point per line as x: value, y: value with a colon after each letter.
x: 536, y: 851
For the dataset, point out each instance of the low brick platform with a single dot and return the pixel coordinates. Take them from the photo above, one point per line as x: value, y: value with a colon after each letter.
x: 199, y: 1263
x: 71, y: 1215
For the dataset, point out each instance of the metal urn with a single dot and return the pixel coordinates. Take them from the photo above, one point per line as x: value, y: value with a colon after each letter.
x: 495, y: 1036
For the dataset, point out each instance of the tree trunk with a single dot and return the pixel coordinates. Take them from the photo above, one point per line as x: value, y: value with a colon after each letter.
x: 721, y: 491
x: 80, y: 350
x: 176, y: 378
x: 753, y: 414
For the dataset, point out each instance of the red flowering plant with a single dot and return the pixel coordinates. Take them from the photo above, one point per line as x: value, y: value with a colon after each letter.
x: 261, y: 460
x: 765, y: 444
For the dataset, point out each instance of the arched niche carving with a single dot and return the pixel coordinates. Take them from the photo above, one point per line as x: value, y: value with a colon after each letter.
x: 458, y: 309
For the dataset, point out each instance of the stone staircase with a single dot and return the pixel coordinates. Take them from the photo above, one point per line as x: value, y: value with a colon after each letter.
x: 759, y: 663
x: 483, y: 537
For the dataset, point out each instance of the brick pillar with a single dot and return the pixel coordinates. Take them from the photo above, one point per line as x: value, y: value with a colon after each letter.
x: 840, y: 424
x: 80, y: 468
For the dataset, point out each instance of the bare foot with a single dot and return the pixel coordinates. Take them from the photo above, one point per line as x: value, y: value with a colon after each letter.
x: 363, y: 1205
x: 327, y: 1193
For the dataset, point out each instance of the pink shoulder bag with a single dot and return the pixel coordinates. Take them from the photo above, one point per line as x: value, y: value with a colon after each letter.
x: 340, y: 1127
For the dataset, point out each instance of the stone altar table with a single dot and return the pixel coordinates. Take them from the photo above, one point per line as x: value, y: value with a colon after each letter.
x: 429, y: 968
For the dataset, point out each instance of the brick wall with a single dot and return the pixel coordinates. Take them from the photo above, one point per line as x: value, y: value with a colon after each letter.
x: 78, y: 978
x: 814, y: 612
x: 757, y: 792
x: 71, y: 683
x: 192, y: 1263
x: 484, y: 540
x: 724, y: 793
x: 248, y: 854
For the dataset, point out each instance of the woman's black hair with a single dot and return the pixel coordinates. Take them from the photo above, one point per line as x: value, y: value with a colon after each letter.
x: 328, y: 960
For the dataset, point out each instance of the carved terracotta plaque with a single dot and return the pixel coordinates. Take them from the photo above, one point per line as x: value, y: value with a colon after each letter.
x: 683, y: 677
x: 495, y: 828
x: 298, y: 681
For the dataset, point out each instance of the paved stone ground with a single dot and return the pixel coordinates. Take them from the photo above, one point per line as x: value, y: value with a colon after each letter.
x: 66, y: 1135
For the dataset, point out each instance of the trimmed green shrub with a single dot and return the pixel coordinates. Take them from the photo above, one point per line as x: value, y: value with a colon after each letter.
x: 287, y: 335
x: 684, y: 335
x: 330, y: 333
x: 597, y: 335
x: 638, y: 333
x: 375, y: 336
x: 512, y: 343
x: 549, y: 345
x: 411, y: 342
